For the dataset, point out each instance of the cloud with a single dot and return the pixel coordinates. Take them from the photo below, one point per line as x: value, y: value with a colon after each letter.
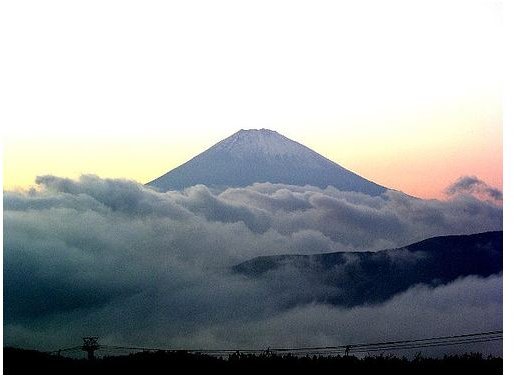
x: 468, y: 305
x: 474, y: 186
x: 135, y: 266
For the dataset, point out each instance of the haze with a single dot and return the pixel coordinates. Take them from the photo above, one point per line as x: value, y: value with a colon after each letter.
x: 404, y: 93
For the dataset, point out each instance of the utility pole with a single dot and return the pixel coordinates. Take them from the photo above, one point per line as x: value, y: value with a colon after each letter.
x: 90, y: 345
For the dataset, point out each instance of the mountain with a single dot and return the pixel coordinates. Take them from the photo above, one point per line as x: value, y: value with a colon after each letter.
x: 251, y: 156
x: 356, y: 278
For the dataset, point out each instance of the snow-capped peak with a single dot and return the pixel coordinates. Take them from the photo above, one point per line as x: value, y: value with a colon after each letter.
x: 260, y: 141
x: 262, y: 155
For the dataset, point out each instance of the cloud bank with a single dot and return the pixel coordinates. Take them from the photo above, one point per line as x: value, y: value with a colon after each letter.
x: 117, y: 259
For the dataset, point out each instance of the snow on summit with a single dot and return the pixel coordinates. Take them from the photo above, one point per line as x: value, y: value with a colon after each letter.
x: 260, y: 141
x: 260, y: 156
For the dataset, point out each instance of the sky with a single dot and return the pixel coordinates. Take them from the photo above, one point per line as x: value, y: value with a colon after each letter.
x: 404, y: 93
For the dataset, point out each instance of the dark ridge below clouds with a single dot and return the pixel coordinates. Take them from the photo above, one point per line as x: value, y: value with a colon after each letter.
x: 357, y: 278
x: 135, y: 266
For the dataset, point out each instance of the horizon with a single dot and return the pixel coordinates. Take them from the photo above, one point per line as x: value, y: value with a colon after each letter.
x: 435, y: 193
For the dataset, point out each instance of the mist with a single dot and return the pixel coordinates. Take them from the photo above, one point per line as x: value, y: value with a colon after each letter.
x: 117, y: 259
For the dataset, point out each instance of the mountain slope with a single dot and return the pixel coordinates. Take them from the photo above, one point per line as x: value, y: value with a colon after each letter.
x: 356, y: 278
x: 251, y: 156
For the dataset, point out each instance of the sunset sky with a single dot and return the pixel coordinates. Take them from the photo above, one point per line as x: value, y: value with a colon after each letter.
x: 404, y: 93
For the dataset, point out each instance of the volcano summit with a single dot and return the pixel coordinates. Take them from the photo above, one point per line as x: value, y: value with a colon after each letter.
x: 258, y: 156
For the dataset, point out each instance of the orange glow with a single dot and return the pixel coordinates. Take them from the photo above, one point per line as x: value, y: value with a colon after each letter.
x: 373, y: 86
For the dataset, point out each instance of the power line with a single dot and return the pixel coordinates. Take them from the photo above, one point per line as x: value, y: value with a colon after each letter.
x: 65, y: 350
x: 388, y: 343
x: 425, y: 342
x: 470, y: 338
x: 437, y: 344
x: 402, y: 347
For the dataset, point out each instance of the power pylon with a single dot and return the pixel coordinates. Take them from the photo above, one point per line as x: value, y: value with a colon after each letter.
x: 90, y: 345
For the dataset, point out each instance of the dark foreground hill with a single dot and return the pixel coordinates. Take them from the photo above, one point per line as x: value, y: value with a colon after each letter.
x: 355, y: 278
x: 17, y: 361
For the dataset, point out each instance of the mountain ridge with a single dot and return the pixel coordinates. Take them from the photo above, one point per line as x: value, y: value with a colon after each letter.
x: 355, y: 278
x: 259, y: 156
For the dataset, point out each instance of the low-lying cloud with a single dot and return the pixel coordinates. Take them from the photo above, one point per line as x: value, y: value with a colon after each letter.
x: 136, y: 266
